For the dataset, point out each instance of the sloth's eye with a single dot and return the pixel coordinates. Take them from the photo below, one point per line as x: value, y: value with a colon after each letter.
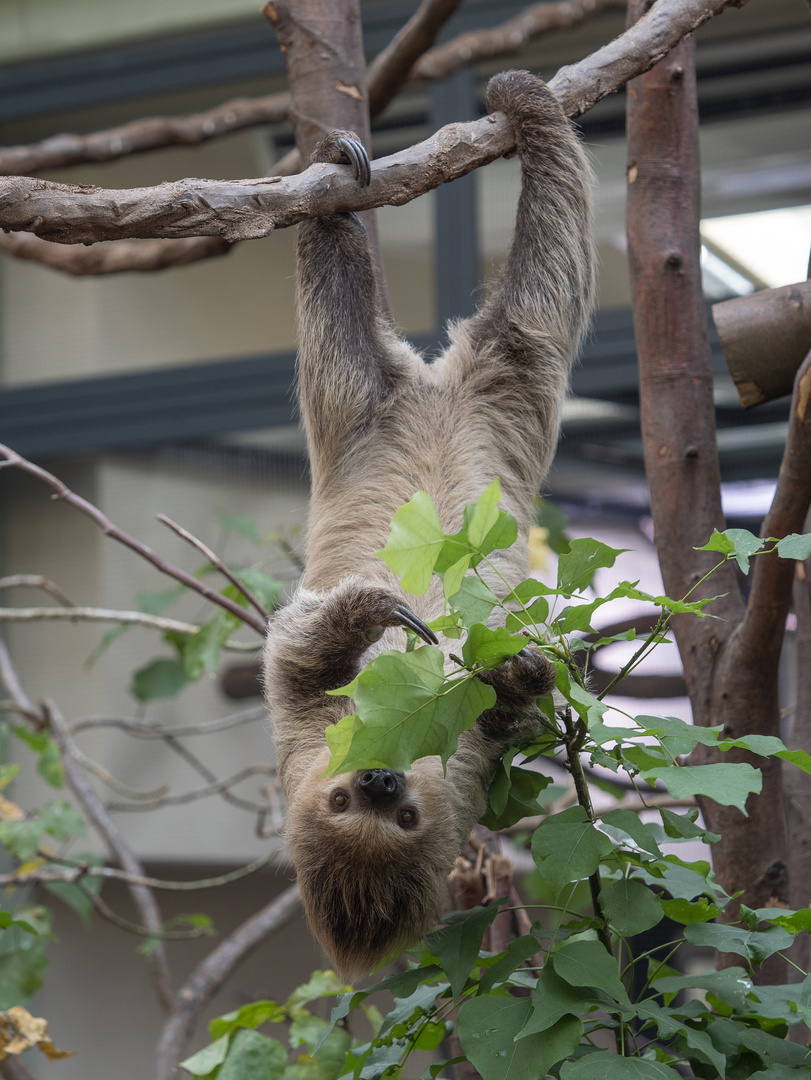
x: 407, y: 818
x: 339, y: 801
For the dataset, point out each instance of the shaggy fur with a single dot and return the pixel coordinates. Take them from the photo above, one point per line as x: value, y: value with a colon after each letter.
x: 382, y: 424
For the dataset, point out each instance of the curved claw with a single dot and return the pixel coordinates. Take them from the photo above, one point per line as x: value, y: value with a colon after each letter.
x: 358, y: 159
x: 409, y: 621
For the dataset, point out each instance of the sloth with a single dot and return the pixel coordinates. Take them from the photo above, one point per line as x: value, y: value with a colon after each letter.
x: 373, y: 848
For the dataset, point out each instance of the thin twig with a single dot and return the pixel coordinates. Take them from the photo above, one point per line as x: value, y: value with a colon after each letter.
x: 19, y: 699
x: 106, y: 777
x: 63, y: 492
x: 162, y: 934
x: 216, y: 562
x: 36, y: 581
x: 262, y: 809
x: 142, y: 730
x: 215, y: 788
x: 77, y: 868
x: 123, y: 618
x: 94, y: 810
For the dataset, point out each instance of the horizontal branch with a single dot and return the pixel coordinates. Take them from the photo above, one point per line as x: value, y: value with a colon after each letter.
x: 144, y: 730
x: 35, y: 581
x: 73, y: 869
x: 248, y: 209
x: 216, y: 787
x: 124, y: 618
x: 144, y: 257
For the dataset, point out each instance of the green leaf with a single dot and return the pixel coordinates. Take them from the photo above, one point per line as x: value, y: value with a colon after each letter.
x: 161, y: 678
x: 205, y: 1061
x: 630, y: 907
x: 795, y: 546
x: 518, y: 951
x: 265, y: 588
x: 490, y: 648
x: 755, y: 945
x: 604, y: 1065
x: 249, y: 1016
x: 669, y: 1025
x: 481, y: 516
x: 488, y: 1027
x: 739, y: 544
x: 414, y: 543
x: 406, y: 710
x: 456, y: 945
x: 23, y: 961
x: 588, y: 707
x: 49, y: 765
x: 566, y: 847
x: 683, y: 826
x: 252, y: 1056
x: 72, y: 895
x: 729, y: 784
x: 474, y: 600
x: 685, y: 912
x: 155, y: 603
x: 554, y: 998
x: 629, y: 823
x: 513, y: 796
x: 732, y: 985
x: 585, y: 557
x: 588, y: 963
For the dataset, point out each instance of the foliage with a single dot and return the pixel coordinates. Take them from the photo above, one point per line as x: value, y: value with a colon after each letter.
x: 517, y: 1021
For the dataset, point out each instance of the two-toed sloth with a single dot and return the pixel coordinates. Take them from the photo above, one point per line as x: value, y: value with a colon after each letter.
x: 373, y: 849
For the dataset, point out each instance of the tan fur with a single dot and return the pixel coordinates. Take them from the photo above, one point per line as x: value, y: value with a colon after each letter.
x: 382, y: 424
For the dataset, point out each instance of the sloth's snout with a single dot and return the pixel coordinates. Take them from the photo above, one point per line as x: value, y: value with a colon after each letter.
x: 382, y: 787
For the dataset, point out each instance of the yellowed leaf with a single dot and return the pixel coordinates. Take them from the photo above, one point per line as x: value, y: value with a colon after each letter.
x: 538, y: 547
x: 30, y: 866
x: 19, y: 1031
x: 9, y: 811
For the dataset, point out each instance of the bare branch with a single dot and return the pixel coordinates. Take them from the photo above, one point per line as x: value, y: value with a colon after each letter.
x: 216, y: 562
x: 20, y: 700
x: 164, y: 934
x: 144, y: 730
x: 73, y: 869
x: 247, y: 209
x: 149, y: 133
x: 12, y: 1068
x: 95, y: 812
x: 62, y: 491
x: 260, y: 809
x: 391, y: 67
x: 35, y: 581
x: 124, y: 618
x: 216, y: 787
x: 211, y: 973
x: 509, y: 38
x: 120, y: 258
x: 761, y: 634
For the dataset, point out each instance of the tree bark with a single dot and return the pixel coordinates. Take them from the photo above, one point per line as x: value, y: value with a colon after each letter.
x: 730, y: 661
x: 765, y: 337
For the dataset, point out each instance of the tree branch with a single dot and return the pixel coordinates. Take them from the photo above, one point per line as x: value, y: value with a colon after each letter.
x: 761, y: 634
x: 94, y: 810
x: 247, y: 209
x: 144, y: 730
x: 212, y: 972
x: 62, y: 491
x: 124, y: 618
x: 36, y: 581
x: 144, y: 257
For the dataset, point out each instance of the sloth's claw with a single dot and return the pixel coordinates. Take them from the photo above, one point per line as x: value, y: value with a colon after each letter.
x: 358, y: 159
x: 409, y: 621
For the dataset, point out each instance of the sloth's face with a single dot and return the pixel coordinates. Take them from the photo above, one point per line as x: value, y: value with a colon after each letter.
x: 373, y: 850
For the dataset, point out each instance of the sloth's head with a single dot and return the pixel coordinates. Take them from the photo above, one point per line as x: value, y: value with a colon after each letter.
x: 373, y: 850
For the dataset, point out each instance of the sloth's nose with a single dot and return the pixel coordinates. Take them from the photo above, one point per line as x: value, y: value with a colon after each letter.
x: 381, y: 786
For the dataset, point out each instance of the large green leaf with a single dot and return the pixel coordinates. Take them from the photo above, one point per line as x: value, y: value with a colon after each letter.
x: 755, y: 945
x: 588, y: 963
x: 630, y: 907
x: 414, y: 543
x: 729, y: 783
x: 457, y: 943
x: 405, y: 710
x: 488, y: 1027
x: 603, y: 1065
x: 566, y: 847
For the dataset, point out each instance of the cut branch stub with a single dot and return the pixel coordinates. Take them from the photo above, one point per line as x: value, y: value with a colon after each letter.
x: 765, y: 338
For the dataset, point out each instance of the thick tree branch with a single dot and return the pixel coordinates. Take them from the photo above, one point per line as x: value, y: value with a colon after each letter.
x: 761, y: 634
x: 9, y: 457
x: 247, y: 209
x: 212, y: 972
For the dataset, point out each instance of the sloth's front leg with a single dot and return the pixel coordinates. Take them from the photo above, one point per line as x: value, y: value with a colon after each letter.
x: 517, y: 683
x: 317, y: 642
